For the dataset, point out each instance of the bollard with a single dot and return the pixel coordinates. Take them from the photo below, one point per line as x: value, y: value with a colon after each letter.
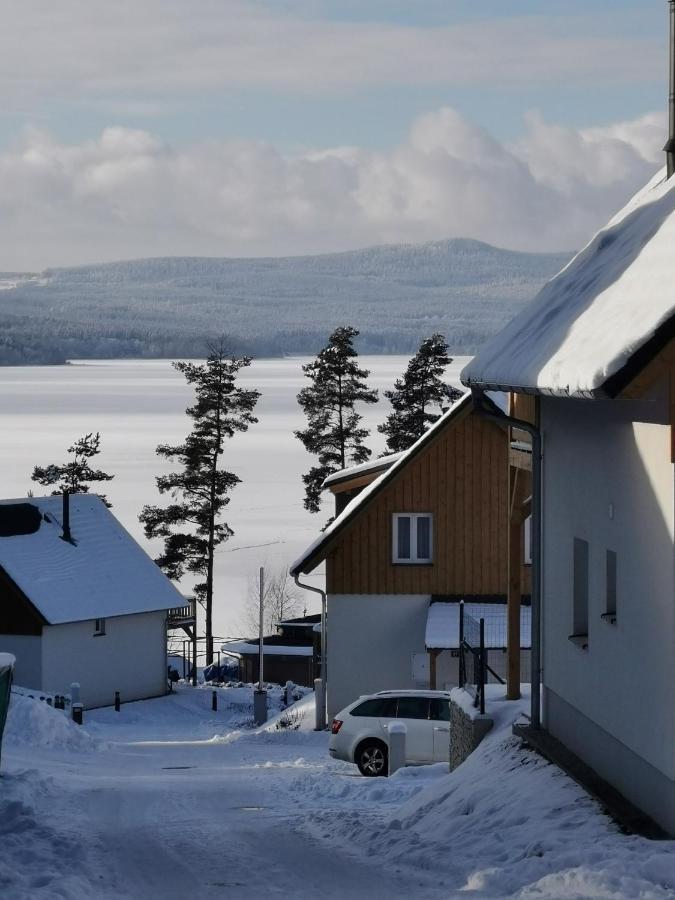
x: 57, y: 702
x: 214, y: 701
x: 50, y: 701
x: 320, y: 706
x: 75, y: 692
x: 259, y: 707
x: 397, y: 732
x: 117, y: 701
x: 77, y: 713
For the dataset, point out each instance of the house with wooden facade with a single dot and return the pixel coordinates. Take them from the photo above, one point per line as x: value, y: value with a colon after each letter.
x: 593, y: 357
x: 81, y: 601
x: 427, y: 526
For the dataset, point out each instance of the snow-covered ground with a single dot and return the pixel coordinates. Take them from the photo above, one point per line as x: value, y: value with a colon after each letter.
x: 167, y: 799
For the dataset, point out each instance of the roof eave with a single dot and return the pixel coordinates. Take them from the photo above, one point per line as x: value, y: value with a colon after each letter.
x: 612, y: 387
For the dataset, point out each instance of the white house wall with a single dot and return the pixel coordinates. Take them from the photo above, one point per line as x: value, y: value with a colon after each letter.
x: 609, y: 481
x: 371, y: 640
x: 130, y: 658
x: 27, y: 648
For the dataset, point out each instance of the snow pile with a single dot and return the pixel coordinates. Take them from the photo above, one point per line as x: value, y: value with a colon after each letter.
x: 32, y: 723
x: 299, y: 716
x: 506, y: 823
x: 345, y: 790
x: 36, y: 863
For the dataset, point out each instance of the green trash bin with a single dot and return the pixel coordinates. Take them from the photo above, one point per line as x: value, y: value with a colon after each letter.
x: 7, y: 662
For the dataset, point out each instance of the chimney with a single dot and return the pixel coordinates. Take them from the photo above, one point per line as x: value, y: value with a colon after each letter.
x: 66, y: 536
x: 670, y: 146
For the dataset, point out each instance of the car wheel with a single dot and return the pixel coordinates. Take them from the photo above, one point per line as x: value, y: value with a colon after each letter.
x: 371, y: 758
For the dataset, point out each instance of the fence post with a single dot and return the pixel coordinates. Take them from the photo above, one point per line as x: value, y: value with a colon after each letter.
x: 396, y: 732
x: 117, y: 701
x: 482, y: 669
x: 462, y: 672
x: 214, y: 701
x: 319, y: 705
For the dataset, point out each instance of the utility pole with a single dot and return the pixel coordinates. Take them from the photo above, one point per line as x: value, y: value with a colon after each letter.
x: 260, y: 696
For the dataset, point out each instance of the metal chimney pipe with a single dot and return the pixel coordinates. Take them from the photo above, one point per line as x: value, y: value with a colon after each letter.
x: 66, y: 536
x: 670, y: 145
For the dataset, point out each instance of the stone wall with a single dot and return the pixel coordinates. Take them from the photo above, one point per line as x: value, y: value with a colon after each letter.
x: 467, y: 730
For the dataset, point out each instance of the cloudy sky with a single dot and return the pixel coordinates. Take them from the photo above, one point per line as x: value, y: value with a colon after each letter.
x: 245, y: 127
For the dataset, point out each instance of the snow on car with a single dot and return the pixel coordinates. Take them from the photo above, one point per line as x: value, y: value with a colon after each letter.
x: 359, y: 731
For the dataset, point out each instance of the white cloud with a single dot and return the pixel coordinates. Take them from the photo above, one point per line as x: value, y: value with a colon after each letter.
x: 128, y: 194
x: 143, y: 54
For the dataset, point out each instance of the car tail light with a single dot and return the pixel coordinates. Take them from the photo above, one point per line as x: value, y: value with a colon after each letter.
x: 337, y: 725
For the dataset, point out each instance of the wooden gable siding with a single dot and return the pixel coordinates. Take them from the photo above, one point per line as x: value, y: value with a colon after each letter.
x: 462, y: 479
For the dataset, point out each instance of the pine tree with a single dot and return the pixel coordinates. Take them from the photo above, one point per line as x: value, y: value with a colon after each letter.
x: 333, y: 432
x: 419, y: 396
x: 75, y: 476
x: 191, y: 526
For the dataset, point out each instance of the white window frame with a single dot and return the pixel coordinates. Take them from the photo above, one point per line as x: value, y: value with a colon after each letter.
x: 413, y: 559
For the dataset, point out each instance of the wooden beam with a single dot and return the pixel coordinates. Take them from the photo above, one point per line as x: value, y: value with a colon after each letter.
x: 520, y: 488
x: 433, y: 656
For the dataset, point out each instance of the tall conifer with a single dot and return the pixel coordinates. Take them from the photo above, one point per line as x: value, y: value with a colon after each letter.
x: 419, y: 396
x: 191, y: 526
x: 333, y: 432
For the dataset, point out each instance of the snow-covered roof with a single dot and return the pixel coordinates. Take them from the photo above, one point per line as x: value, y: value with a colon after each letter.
x: 313, y: 555
x: 442, y: 630
x: 104, y: 573
x: 242, y: 648
x: 7, y: 661
x: 373, y: 465
x: 603, y: 317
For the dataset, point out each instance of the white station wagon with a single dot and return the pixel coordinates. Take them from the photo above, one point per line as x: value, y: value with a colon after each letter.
x: 359, y: 731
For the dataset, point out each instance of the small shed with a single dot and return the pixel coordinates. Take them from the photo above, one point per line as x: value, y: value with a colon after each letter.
x: 81, y: 601
x: 292, y: 654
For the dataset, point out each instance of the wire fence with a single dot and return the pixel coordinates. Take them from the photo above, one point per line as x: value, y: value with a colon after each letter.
x: 474, y: 665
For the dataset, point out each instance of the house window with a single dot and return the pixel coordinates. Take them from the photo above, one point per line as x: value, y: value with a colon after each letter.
x: 99, y: 627
x: 610, y: 587
x: 580, y: 588
x: 412, y: 538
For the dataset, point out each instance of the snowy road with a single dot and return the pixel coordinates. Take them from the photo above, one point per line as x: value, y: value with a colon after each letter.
x: 152, y: 830
x: 211, y: 817
x: 167, y: 799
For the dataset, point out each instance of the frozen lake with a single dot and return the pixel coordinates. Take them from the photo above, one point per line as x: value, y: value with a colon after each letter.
x: 136, y: 404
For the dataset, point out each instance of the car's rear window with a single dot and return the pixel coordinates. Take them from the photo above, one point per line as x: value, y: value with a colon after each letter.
x: 440, y: 710
x: 380, y: 707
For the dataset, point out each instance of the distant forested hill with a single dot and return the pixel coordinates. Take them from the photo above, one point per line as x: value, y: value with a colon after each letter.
x: 395, y: 295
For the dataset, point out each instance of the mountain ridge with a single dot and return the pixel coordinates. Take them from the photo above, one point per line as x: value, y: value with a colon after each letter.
x: 171, y: 306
